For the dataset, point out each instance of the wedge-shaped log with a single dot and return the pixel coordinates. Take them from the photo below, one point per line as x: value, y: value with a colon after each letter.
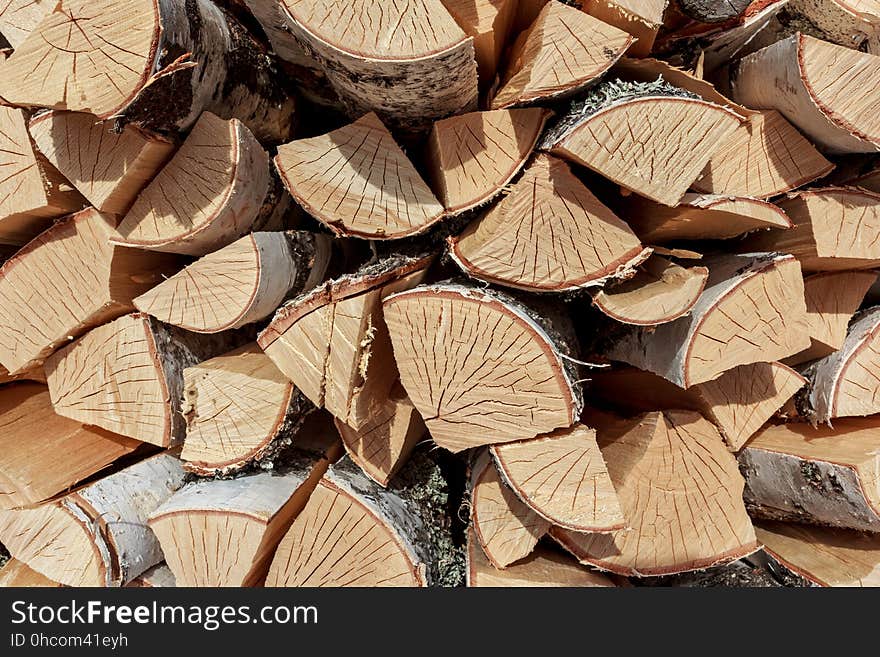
x: 588, y: 47
x: 83, y: 280
x: 32, y: 437
x: 489, y: 23
x: 239, y: 409
x: 480, y: 366
x: 211, y: 193
x: 764, y: 157
x: 16, y: 574
x: 562, y: 477
x: 680, y: 491
x: 159, y: 576
x: 157, y: 64
x: 18, y: 18
x: 409, y: 63
x: 333, y: 344
x: 824, y: 557
x: 701, y: 217
x: 108, y: 168
x: 472, y: 157
x: 834, y: 228
x: 819, y: 87
x: 659, y: 164
x: 660, y: 291
x: 506, y: 528
x: 241, y: 283
x: 832, y: 299
x: 752, y: 310
x: 738, y: 402
x: 32, y: 191
x: 819, y: 476
x: 127, y: 376
x: 98, y: 534
x: 542, y: 568
x: 223, y: 532
x: 358, y: 182
x: 641, y: 18
x: 354, y: 533
x: 549, y: 234
x: 385, y: 441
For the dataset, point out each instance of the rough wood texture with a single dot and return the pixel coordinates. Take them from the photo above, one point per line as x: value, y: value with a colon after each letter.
x: 159, y: 576
x: 660, y: 164
x: 850, y: 23
x: 835, y: 228
x: 825, y: 557
x: 210, y: 194
x: 712, y: 11
x: 127, y: 377
x: 97, y: 535
x: 83, y: 280
x: 333, y: 344
x: 32, y: 192
x: 18, y: 18
x: 342, y: 179
x: 675, y: 480
x: 642, y: 19
x: 819, y: 87
x: 108, y: 168
x: 659, y: 292
x: 489, y: 23
x: 562, y: 477
x: 549, y: 234
x: 241, y: 283
x: 16, y: 574
x: 239, y: 409
x: 764, y: 157
x: 818, y: 476
x: 456, y: 347
x: 473, y: 157
x: 752, y: 310
x: 587, y: 46
x: 32, y: 437
x: 701, y: 216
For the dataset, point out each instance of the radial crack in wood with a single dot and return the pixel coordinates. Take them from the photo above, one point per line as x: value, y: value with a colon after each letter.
x: 642, y: 19
x: 18, y: 18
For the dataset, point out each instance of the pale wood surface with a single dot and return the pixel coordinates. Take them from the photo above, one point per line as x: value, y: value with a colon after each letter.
x: 489, y: 23
x: 642, y: 19
x: 16, y: 574
x: 18, y: 18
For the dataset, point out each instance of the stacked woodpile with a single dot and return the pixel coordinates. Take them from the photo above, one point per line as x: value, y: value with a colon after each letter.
x: 495, y: 292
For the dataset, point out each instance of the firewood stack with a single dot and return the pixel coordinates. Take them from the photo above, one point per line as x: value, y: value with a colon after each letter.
x: 495, y: 292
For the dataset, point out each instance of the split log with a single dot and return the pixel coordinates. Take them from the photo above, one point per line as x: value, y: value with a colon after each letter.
x: 549, y: 234
x: 869, y: 181
x: 157, y: 65
x: 36, y: 374
x: 562, y: 477
x: 212, y: 192
x: 824, y: 557
x: 660, y: 291
x: 97, y: 535
x: 159, y: 576
x: 489, y: 23
x: 333, y: 344
x: 387, y: 438
x: 83, y: 279
x: 241, y: 283
x: 834, y: 228
x: 18, y: 18
x: 832, y: 299
x: 343, y: 180
x: 542, y: 568
x: 738, y: 402
x: 409, y: 63
x: 641, y: 19
x: 239, y: 409
x: 752, y: 310
x: 32, y: 192
x: 354, y: 533
x: 820, y: 476
x: 764, y: 157
x: 819, y: 87
x: 480, y: 366
x: 108, y: 168
x: 224, y: 532
x: 661, y: 164
x: 32, y: 437
x: 16, y: 574
x: 506, y: 528
x: 587, y: 47
x: 127, y: 376
x: 712, y: 11
x: 473, y: 157
x: 701, y: 216
x: 850, y: 23
x: 680, y: 491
